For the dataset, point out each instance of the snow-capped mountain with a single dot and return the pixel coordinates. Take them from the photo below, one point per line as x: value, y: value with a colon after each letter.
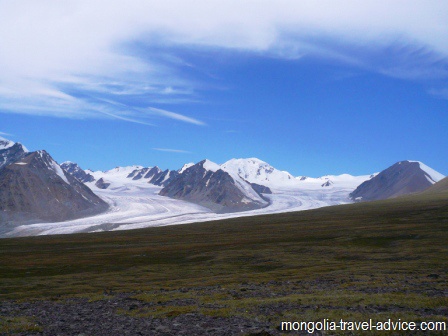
x: 35, y: 188
x: 205, y: 183
x: 402, y: 178
x: 10, y: 151
x: 256, y: 171
x: 77, y: 172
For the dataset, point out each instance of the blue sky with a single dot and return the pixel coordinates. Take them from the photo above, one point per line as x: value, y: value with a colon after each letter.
x: 313, y: 88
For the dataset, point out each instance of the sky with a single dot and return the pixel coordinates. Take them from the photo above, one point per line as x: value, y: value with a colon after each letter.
x: 311, y: 87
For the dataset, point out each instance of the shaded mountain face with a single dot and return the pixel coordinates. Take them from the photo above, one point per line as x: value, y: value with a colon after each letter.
x: 77, y: 172
x: 164, y: 177
x: 35, y: 188
x: 402, y: 178
x: 206, y: 184
x: 10, y: 152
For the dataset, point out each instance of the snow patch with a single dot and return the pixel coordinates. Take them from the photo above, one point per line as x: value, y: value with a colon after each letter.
x: 167, y: 176
x: 211, y: 166
x: 58, y: 170
x: 5, y: 143
x: 185, y: 166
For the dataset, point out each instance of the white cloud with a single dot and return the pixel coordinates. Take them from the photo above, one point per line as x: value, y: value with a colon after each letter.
x: 5, y: 134
x: 50, y: 48
x: 172, y: 150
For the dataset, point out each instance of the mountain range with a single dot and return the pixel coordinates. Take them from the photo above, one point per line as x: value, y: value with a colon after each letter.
x: 36, y: 189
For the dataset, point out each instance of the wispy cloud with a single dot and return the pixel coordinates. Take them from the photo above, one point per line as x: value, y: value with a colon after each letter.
x: 5, y: 134
x: 175, y: 116
x: 139, y: 115
x: 172, y: 150
x: 126, y: 119
x: 58, y: 61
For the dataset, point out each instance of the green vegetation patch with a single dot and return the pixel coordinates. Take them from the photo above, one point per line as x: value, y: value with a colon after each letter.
x: 9, y: 325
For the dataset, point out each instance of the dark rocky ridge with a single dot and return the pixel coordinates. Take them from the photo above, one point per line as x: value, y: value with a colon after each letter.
x: 215, y: 190
x: 102, y: 183
x: 35, y: 188
x: 164, y: 177
x: 77, y: 172
x: 154, y: 175
x: 402, y: 178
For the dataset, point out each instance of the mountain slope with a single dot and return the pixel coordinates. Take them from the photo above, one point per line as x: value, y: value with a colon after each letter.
x: 36, y: 188
x: 438, y: 187
x: 205, y: 183
x: 402, y: 178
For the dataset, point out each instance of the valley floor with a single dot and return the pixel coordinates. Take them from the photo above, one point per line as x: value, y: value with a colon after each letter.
x: 136, y: 205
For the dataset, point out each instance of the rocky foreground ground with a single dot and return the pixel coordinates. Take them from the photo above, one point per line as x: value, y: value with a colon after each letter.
x: 212, y: 310
x: 118, y: 314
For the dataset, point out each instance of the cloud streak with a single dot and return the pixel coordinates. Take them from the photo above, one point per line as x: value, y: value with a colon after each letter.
x: 175, y: 116
x: 180, y: 151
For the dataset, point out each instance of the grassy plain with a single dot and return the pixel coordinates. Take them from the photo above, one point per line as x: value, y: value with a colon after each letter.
x: 385, y: 259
